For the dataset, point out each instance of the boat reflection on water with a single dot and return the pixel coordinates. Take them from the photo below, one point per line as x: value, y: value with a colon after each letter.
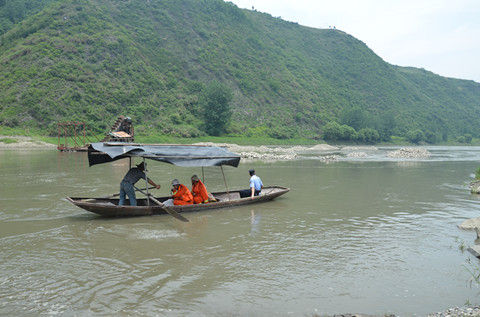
x: 254, y: 222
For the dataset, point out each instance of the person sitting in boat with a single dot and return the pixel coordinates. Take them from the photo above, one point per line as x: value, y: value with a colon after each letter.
x: 126, y: 186
x: 180, y: 195
x: 199, y: 191
x: 256, y: 186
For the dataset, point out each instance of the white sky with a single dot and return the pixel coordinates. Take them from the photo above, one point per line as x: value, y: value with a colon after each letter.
x: 442, y: 36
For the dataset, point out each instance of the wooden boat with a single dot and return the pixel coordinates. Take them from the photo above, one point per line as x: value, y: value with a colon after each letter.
x: 108, y: 207
x: 180, y: 155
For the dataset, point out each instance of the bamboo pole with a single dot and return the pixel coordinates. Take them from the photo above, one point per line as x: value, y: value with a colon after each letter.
x: 58, y: 136
x: 84, y: 135
x: 225, y: 180
x: 65, y: 135
x: 146, y: 180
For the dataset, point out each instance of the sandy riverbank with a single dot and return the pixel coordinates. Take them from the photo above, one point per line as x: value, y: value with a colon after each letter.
x: 23, y: 142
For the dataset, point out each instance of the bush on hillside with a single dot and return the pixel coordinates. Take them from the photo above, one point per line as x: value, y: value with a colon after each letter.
x: 354, y: 117
x: 368, y: 135
x: 444, y: 135
x: 215, y: 102
x: 332, y: 131
x: 335, y: 132
x: 385, y: 125
x: 415, y: 136
x: 258, y: 131
x: 430, y: 137
x: 348, y: 133
x: 281, y: 132
x: 181, y: 130
x: 468, y: 138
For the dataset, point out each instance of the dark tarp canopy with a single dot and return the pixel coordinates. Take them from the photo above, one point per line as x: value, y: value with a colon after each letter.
x: 180, y: 155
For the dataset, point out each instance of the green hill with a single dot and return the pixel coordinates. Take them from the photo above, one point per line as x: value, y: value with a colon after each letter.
x: 92, y: 60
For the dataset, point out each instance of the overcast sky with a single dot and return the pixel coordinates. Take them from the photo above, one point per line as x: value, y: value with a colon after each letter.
x: 442, y: 36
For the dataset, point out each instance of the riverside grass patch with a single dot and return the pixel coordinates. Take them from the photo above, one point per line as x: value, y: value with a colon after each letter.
x: 8, y: 140
x: 477, y: 174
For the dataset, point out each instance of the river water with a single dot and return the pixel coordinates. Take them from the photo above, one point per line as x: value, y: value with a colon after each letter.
x: 362, y: 235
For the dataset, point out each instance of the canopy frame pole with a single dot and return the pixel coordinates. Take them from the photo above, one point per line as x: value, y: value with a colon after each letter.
x: 203, y: 176
x: 225, y: 180
x: 146, y: 181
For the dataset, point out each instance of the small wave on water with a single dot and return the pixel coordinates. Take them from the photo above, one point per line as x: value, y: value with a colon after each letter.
x: 93, y: 267
x: 149, y: 234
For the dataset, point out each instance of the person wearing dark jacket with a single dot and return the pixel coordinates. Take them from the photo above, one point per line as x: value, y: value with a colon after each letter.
x: 126, y: 186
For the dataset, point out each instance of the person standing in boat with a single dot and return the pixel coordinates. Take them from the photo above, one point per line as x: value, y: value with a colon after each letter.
x: 126, y: 186
x: 181, y: 195
x: 256, y: 186
x: 199, y: 191
x: 126, y: 126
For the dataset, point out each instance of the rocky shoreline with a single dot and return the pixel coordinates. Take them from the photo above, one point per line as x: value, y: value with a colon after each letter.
x: 475, y: 187
x: 410, y: 152
x: 458, y: 311
x: 277, y: 153
x: 322, y: 152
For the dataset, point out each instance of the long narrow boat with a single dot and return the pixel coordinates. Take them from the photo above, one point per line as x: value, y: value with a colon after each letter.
x: 108, y: 207
x: 180, y: 155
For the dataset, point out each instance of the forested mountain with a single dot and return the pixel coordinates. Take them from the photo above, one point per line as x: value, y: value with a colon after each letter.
x: 93, y: 60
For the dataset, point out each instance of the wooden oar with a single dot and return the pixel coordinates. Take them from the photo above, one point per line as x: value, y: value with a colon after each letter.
x: 170, y: 211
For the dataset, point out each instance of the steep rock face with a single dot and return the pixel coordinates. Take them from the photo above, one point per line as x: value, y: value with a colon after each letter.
x: 92, y: 60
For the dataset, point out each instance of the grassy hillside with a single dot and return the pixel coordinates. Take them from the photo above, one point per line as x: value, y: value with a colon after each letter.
x: 93, y: 60
x: 13, y: 12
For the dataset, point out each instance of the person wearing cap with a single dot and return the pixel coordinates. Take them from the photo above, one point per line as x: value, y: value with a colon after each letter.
x: 126, y: 126
x: 126, y: 186
x: 199, y: 191
x: 256, y: 186
x: 181, y: 195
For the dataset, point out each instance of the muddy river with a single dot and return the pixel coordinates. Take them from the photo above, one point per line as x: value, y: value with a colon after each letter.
x: 362, y: 234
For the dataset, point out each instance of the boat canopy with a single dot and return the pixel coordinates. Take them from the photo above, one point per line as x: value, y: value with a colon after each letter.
x: 180, y: 155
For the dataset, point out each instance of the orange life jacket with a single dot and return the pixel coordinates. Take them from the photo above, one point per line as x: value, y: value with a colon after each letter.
x: 182, y: 196
x: 199, y: 193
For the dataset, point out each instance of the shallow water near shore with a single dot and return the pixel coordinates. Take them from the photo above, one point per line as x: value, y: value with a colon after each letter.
x: 368, y: 235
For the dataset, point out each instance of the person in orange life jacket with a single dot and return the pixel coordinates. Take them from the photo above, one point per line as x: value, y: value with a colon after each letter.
x: 199, y: 191
x: 256, y: 186
x: 126, y: 186
x: 180, y: 195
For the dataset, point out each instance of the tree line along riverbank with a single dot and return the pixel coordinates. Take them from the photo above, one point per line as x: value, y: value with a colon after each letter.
x: 10, y: 135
